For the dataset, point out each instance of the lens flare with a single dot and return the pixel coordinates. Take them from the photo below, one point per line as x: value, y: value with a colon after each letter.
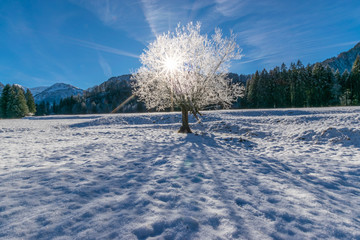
x: 171, y: 64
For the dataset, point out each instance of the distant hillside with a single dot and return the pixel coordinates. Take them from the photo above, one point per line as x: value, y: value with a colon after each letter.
x: 36, y: 90
x: 110, y: 83
x: 344, y: 60
x: 57, y: 92
x: 108, y: 95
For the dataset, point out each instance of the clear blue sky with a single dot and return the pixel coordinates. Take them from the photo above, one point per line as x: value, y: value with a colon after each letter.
x: 84, y: 42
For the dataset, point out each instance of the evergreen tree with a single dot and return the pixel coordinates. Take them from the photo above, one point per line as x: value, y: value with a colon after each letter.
x: 355, y: 80
x: 30, y: 102
x: 5, y: 98
x: 321, y: 93
x: 346, y: 89
x: 266, y: 87
x: 284, y: 75
x: 16, y: 107
x: 309, y: 86
x: 336, y: 89
x: 277, y: 87
x: 328, y: 87
x: 252, y: 90
x: 300, y: 95
x: 293, y: 84
x: 41, y: 109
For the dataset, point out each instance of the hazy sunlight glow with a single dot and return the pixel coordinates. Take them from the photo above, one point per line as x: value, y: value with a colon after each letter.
x: 171, y: 64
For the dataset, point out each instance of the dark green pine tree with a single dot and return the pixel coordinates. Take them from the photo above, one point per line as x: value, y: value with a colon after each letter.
x: 265, y: 90
x: 345, y: 86
x: 328, y: 86
x: 293, y: 84
x: 41, y: 109
x: 30, y: 102
x: 355, y: 80
x: 16, y: 107
x: 336, y: 89
x: 10, y: 103
x: 300, y: 94
x: 5, y: 98
x: 277, y: 87
x: 309, y: 86
x: 284, y: 75
x: 252, y: 91
x: 321, y: 86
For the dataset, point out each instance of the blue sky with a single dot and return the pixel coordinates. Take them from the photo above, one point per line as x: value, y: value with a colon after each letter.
x: 84, y: 42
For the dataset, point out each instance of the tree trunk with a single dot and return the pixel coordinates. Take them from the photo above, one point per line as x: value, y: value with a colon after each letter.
x: 185, y: 121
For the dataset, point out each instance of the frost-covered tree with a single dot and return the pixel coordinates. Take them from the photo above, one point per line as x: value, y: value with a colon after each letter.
x: 188, y: 70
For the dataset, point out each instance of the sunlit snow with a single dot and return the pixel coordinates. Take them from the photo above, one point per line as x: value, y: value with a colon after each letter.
x: 247, y: 174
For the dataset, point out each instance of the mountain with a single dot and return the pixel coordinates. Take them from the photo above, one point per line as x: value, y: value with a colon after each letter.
x: 57, y: 92
x: 111, y: 83
x: 344, y: 60
x: 36, y: 90
x: 110, y: 94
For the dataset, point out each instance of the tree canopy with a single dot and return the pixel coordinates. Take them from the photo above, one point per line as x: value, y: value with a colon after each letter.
x: 188, y: 70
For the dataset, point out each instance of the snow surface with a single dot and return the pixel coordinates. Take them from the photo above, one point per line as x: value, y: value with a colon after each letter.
x: 250, y: 174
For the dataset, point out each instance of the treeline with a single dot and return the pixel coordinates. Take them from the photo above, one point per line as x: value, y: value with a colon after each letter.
x: 300, y: 86
x: 16, y: 103
x: 100, y: 99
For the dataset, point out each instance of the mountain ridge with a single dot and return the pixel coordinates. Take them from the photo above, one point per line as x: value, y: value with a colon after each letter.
x: 343, y: 60
x: 56, y: 92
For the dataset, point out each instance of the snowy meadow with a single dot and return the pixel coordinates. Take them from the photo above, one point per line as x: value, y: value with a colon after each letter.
x: 245, y: 174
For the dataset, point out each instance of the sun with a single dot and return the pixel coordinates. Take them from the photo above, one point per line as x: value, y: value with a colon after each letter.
x: 171, y: 64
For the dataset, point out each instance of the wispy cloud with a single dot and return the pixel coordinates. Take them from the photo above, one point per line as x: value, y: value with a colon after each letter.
x: 163, y: 16
x: 102, y: 48
x: 126, y: 15
x: 109, y: 11
x: 105, y: 66
x: 230, y: 8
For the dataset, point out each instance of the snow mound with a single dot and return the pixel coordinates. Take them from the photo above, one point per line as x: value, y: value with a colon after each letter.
x: 179, y: 228
x: 334, y: 135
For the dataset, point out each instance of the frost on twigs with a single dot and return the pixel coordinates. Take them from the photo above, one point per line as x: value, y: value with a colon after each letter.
x: 187, y: 70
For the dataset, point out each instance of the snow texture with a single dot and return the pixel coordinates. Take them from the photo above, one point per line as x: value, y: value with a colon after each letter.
x: 250, y: 174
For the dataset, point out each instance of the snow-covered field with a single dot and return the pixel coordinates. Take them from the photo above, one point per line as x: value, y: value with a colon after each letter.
x: 249, y: 174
